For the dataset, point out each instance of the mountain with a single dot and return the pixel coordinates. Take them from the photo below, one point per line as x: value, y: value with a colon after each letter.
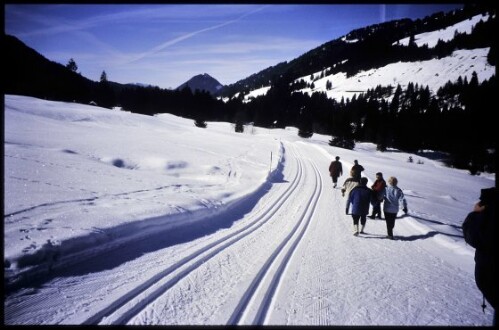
x: 377, y: 84
x: 435, y: 37
x: 32, y: 74
x: 202, y: 82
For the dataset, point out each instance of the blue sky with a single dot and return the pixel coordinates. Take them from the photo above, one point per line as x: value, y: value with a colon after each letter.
x: 165, y: 45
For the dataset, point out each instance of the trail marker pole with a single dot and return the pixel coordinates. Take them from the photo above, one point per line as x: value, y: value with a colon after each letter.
x: 270, y: 168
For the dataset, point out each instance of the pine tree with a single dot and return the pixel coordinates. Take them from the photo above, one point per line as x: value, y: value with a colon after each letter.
x: 412, y: 41
x: 239, y: 127
x: 200, y: 123
x: 72, y: 65
x: 105, y: 94
x: 103, y: 77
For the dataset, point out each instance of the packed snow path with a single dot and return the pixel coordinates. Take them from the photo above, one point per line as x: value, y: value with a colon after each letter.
x: 290, y: 260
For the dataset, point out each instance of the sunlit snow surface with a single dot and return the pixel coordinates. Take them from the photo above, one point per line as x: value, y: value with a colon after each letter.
x: 151, y: 220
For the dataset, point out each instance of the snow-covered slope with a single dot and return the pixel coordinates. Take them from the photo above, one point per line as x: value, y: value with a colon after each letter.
x: 433, y: 73
x: 431, y: 38
x: 146, y: 220
x: 71, y: 169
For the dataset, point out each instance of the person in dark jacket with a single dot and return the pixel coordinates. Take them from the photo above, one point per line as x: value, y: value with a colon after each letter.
x: 377, y: 189
x: 480, y: 231
x: 360, y: 197
x: 357, y: 170
x: 335, y: 170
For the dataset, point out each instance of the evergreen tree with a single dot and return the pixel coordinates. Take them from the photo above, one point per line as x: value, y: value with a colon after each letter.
x: 305, y: 126
x: 105, y: 94
x: 394, y: 105
x: 492, y: 55
x: 239, y: 127
x: 200, y: 123
x: 412, y: 41
x: 103, y: 77
x: 342, y: 142
x: 72, y: 65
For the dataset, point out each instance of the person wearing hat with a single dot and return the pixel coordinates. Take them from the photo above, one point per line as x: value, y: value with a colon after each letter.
x: 357, y: 170
x: 335, y: 170
x: 480, y: 231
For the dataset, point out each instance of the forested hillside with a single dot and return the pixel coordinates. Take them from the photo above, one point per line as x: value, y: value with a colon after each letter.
x: 455, y: 120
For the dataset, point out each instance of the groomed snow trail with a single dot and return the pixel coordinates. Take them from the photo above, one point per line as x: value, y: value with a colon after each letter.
x: 292, y: 260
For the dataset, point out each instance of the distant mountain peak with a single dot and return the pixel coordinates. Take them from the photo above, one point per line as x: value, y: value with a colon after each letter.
x: 202, y: 82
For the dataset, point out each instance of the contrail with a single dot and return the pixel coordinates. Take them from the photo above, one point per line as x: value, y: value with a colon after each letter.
x: 189, y: 35
x: 383, y: 13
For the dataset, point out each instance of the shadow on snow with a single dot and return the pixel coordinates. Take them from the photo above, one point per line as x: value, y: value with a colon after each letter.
x: 109, y: 249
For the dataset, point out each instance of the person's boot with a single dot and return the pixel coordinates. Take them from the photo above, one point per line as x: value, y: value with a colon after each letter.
x: 362, y: 229
x: 356, y: 230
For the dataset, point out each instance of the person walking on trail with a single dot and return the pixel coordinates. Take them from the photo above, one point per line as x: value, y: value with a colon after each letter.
x: 480, y: 231
x: 357, y: 170
x: 349, y: 184
x: 335, y: 170
x: 377, y: 189
x: 392, y: 195
x: 360, y: 197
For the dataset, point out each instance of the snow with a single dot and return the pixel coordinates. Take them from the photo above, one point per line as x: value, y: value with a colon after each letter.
x: 350, y: 41
x: 433, y: 73
x: 431, y: 38
x: 112, y: 217
x: 255, y: 93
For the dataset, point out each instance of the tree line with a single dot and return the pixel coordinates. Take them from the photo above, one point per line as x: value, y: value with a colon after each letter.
x: 378, y: 45
x: 456, y: 120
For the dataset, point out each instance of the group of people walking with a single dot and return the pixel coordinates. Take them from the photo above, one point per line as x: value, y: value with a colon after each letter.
x: 479, y: 226
x: 360, y: 197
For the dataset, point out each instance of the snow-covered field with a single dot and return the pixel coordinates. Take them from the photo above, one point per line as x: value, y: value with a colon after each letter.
x: 131, y: 219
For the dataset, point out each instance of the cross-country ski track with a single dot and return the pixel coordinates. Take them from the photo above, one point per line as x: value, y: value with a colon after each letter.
x: 287, y: 258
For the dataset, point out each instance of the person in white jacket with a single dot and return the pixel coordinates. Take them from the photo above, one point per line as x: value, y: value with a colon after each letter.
x: 349, y: 184
x: 392, y: 196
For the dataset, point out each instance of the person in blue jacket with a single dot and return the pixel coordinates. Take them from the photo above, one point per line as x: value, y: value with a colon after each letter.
x: 360, y: 197
x: 392, y: 196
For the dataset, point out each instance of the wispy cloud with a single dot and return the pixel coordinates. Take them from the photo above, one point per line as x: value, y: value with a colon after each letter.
x: 265, y: 44
x: 50, y: 17
x: 189, y: 35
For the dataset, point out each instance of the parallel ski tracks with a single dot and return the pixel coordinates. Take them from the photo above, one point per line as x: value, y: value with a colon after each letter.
x: 256, y: 303
x: 122, y: 310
